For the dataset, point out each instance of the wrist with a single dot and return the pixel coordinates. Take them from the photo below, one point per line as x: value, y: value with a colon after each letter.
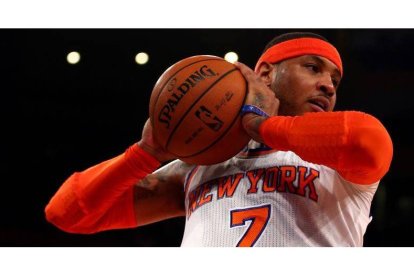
x: 247, y: 109
x: 252, y: 118
x: 160, y: 155
x: 251, y: 123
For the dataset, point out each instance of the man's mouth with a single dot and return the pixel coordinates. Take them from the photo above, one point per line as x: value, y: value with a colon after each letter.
x: 319, y: 104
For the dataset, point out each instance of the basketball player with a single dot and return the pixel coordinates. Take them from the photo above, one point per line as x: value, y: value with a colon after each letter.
x: 307, y: 178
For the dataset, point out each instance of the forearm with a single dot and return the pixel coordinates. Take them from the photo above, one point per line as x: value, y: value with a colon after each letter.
x: 87, y: 196
x: 355, y: 144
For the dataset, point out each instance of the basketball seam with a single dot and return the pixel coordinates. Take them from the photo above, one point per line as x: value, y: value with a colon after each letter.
x: 194, y: 103
x: 162, y: 88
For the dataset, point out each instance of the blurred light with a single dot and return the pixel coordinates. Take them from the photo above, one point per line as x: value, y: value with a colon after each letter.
x: 141, y: 58
x: 231, y: 57
x: 73, y: 57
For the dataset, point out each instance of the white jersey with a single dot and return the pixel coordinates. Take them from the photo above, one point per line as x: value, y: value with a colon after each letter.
x: 273, y: 199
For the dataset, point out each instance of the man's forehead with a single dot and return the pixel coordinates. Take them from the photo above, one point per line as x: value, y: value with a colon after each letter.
x: 321, y: 60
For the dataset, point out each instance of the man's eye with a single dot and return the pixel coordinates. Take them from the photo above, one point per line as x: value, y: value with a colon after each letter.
x: 312, y: 67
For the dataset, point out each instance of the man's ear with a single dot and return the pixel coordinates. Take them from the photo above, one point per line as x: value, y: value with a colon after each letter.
x: 265, y: 72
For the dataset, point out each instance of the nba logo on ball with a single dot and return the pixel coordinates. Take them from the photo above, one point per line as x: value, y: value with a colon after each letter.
x: 209, y: 119
x: 195, y: 110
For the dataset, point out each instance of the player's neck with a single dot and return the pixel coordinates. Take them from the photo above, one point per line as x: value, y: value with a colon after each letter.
x: 254, y: 149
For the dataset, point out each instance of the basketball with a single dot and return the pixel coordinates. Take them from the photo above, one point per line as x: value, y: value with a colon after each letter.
x: 195, y: 110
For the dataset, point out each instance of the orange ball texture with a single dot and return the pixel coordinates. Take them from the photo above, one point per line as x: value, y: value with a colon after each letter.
x: 195, y: 110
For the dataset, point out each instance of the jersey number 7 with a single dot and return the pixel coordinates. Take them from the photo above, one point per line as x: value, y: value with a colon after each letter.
x: 259, y: 217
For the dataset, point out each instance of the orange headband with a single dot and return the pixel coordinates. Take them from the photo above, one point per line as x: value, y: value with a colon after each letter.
x: 299, y: 47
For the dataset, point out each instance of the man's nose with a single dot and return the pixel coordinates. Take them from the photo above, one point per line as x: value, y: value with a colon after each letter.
x: 326, y: 86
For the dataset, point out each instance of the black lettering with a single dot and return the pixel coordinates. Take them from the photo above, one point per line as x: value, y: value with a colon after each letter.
x: 172, y: 104
x: 184, y: 87
x: 177, y: 97
x: 190, y: 82
x: 164, y: 116
x: 196, y: 77
x: 207, y: 72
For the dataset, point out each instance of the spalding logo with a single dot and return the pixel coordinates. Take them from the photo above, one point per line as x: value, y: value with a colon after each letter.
x: 165, y: 115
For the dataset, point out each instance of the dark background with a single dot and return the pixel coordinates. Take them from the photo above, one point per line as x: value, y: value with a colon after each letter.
x: 59, y: 118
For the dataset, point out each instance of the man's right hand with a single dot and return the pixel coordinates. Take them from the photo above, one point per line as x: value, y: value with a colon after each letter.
x: 150, y: 145
x: 259, y: 95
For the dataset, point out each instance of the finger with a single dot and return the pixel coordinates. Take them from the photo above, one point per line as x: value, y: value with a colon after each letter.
x: 248, y: 73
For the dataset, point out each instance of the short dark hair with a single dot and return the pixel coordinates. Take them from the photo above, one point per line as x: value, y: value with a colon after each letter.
x: 293, y: 35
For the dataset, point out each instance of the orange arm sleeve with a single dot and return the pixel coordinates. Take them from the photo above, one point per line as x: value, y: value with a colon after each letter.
x: 353, y: 143
x: 101, y: 197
